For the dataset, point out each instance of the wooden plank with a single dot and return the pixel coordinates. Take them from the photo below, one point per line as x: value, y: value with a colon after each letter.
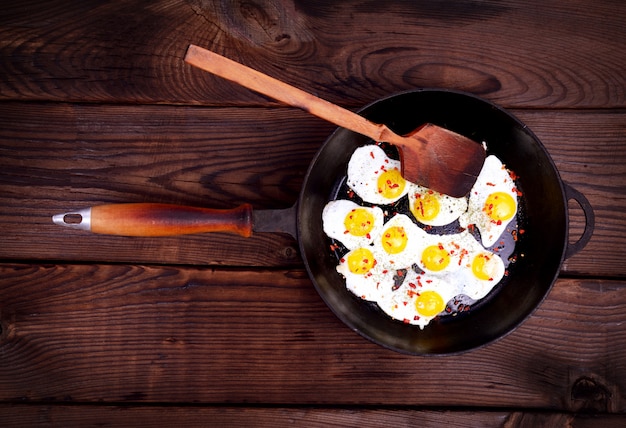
x: 276, y: 417
x: 60, y: 157
x: 139, y: 334
x: 589, y: 151
x: 557, y: 54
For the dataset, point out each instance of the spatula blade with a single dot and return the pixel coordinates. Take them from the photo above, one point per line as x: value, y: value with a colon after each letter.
x: 442, y: 160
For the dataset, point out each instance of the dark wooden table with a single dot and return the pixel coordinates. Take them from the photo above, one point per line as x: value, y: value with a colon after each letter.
x: 97, y: 106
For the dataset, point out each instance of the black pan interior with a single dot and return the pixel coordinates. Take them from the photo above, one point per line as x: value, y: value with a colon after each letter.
x: 539, y: 251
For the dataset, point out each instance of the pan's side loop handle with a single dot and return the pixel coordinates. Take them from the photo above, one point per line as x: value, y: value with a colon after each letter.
x: 590, y: 220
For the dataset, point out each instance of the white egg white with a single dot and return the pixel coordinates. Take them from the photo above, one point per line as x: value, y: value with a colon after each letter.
x: 364, y: 169
x: 493, y: 177
x: 334, y: 215
x: 449, y: 208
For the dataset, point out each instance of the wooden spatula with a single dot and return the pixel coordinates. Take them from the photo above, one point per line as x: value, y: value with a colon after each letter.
x: 431, y: 156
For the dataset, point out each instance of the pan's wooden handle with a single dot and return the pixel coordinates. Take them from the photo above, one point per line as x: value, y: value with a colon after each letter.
x: 150, y: 219
x: 281, y: 91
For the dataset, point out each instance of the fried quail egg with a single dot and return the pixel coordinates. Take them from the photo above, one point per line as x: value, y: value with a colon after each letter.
x: 411, y: 271
x: 441, y: 254
x: 433, y: 208
x: 419, y: 299
x: 482, y: 270
x: 375, y: 177
x: 398, y: 242
x: 492, y: 201
x: 351, y: 224
x: 364, y: 274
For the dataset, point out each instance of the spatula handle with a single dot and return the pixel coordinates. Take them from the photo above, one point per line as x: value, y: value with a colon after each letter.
x: 281, y: 91
x: 150, y: 219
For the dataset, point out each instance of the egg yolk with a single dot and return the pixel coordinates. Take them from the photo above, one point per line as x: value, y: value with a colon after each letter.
x: 391, y: 184
x: 394, y: 240
x: 426, y: 207
x: 429, y: 303
x: 359, y: 222
x: 435, y: 258
x: 361, y: 261
x: 482, y: 267
x: 500, y: 206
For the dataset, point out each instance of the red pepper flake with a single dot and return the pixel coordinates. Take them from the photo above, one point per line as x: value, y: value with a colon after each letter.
x: 489, y: 183
x: 406, y: 321
x: 392, y: 185
x: 372, y: 155
x: 412, y: 285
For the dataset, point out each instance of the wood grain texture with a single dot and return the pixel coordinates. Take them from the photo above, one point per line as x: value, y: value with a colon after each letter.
x: 278, y: 417
x: 97, y: 106
x: 61, y: 157
x: 122, y: 333
x: 556, y: 54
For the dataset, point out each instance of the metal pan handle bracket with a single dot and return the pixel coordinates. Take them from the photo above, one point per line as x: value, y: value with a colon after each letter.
x: 590, y: 220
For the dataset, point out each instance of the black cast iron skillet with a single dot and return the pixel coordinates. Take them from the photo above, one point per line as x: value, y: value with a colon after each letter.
x: 539, y: 252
